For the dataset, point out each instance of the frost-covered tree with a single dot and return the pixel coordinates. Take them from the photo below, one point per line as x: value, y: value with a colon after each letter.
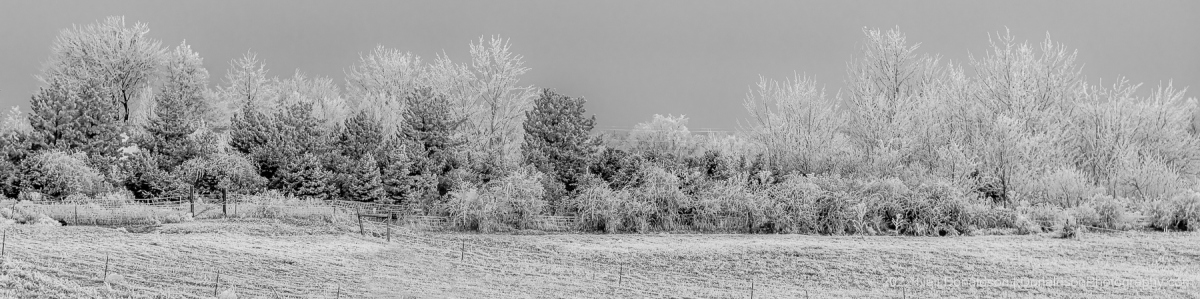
x: 75, y: 117
x: 430, y: 138
x: 487, y: 93
x: 663, y: 135
x: 320, y: 92
x: 796, y: 122
x: 14, y: 148
x: 121, y: 60
x: 179, y: 110
x: 271, y: 141
x: 379, y: 82
x: 363, y: 181
x: 222, y: 172
x: 362, y: 134
x: 246, y: 85
x: 558, y: 139
x: 887, y: 85
x: 1024, y: 97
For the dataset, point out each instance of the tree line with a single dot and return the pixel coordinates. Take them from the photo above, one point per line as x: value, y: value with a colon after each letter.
x: 913, y: 144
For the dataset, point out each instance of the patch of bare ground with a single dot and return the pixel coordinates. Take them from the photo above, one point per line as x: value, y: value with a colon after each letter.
x: 260, y: 258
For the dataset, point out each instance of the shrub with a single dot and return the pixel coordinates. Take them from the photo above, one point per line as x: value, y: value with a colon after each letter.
x: 1181, y: 212
x: 58, y: 174
x: 943, y: 209
x: 220, y: 172
x: 834, y: 213
x: 721, y: 205
x: 1065, y: 187
x: 599, y: 208
x: 617, y: 167
x: 987, y: 216
x: 1045, y: 216
x: 142, y: 176
x: 514, y: 201
x: 1070, y: 228
x: 1106, y: 212
x: 793, y: 205
x: 660, y: 189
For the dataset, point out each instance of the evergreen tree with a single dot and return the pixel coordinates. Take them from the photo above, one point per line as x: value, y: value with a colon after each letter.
x: 394, y: 165
x: 14, y: 148
x: 273, y: 141
x: 75, y: 118
x: 179, y: 109
x: 305, y: 176
x: 362, y: 134
x: 428, y: 133
x: 557, y: 138
x: 363, y: 180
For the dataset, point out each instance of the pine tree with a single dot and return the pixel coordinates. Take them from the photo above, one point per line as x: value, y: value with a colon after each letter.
x: 363, y: 180
x: 557, y: 138
x: 180, y: 107
x: 362, y: 134
x: 428, y: 134
x: 394, y: 165
x: 74, y: 118
x: 272, y: 141
x: 305, y: 176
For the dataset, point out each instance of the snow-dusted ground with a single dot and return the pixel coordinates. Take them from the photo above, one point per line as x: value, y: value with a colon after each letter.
x: 267, y: 258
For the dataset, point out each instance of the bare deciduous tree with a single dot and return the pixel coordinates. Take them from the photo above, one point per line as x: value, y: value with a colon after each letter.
x: 123, y: 59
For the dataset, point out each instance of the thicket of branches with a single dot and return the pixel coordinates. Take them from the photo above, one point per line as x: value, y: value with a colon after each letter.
x: 1015, y: 138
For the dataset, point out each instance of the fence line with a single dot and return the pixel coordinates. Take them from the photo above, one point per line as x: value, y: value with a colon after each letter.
x: 381, y: 229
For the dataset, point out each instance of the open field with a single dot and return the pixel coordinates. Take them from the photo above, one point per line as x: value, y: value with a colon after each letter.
x: 267, y: 258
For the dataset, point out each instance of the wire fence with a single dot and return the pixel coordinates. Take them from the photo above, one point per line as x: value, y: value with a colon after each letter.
x: 202, y: 276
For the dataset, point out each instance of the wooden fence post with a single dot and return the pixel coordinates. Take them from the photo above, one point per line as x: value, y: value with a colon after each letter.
x: 389, y: 231
x: 339, y: 292
x: 358, y: 214
x: 76, y: 214
x: 3, y: 243
x: 105, y: 277
x: 751, y: 287
x: 217, y: 282
x: 224, y: 204
x: 462, y: 254
x: 621, y: 276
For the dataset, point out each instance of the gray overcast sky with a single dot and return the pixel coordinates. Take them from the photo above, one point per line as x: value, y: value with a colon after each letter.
x: 630, y: 59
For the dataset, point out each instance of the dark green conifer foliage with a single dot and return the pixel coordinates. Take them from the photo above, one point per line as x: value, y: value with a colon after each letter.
x: 274, y: 142
x: 428, y: 135
x: 362, y: 134
x: 304, y: 176
x: 558, y: 139
x: 74, y: 118
x: 363, y: 180
x: 180, y: 106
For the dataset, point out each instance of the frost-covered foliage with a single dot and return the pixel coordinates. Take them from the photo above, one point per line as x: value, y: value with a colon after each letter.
x: 798, y: 125
x: 58, y: 175
x: 513, y: 202
x: 1014, y: 139
x: 119, y: 59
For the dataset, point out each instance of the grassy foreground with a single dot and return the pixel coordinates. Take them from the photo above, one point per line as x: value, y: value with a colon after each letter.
x: 270, y: 259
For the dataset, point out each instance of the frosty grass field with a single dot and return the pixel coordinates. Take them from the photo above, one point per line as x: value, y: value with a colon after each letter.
x: 259, y: 258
